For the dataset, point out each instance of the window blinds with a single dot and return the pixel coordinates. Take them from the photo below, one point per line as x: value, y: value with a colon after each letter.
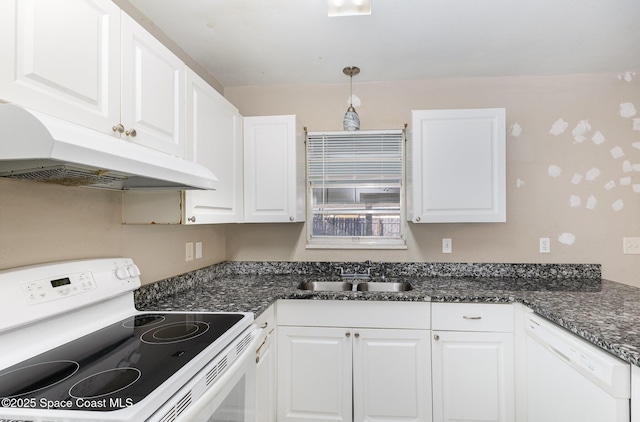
x: 360, y: 157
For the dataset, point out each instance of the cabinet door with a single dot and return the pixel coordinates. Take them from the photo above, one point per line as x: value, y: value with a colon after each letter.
x: 314, y: 374
x: 62, y: 57
x: 457, y: 166
x: 266, y: 368
x: 273, y: 170
x: 391, y: 375
x: 153, y: 88
x: 214, y: 139
x: 473, y: 376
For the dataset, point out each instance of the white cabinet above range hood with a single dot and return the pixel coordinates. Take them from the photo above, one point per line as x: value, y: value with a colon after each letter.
x: 36, y: 146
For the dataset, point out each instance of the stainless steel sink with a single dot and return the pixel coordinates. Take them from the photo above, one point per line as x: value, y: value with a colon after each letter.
x: 325, y: 286
x: 365, y: 286
x: 377, y: 286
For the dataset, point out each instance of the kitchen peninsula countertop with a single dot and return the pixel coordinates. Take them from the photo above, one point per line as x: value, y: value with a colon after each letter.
x: 603, y: 312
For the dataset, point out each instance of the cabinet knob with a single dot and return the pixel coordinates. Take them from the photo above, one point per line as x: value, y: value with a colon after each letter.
x: 291, y: 218
x: 417, y: 218
x: 192, y: 219
x: 357, y: 335
x: 118, y: 128
x: 347, y: 334
x: 436, y: 337
x: 131, y: 133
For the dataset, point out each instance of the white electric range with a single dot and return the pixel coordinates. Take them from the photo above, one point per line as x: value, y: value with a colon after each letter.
x: 74, y: 348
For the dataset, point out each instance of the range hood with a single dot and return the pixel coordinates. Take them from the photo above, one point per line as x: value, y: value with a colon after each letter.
x: 36, y: 146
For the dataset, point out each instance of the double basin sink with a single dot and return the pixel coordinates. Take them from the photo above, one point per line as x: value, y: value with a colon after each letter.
x: 361, y: 286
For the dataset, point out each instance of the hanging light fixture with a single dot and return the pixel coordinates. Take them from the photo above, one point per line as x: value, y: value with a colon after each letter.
x: 348, y: 7
x: 351, y: 121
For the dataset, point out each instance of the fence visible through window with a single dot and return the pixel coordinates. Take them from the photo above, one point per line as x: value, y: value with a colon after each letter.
x: 355, y: 186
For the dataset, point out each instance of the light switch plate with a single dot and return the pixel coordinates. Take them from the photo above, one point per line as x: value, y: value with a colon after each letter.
x: 447, y: 246
x: 189, y: 251
x: 198, y: 250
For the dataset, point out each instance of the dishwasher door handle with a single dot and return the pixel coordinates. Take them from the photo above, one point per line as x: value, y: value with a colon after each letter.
x: 559, y: 353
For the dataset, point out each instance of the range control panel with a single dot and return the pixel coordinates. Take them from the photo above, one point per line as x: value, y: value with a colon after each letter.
x: 46, y: 291
x: 71, y: 284
x: 51, y: 289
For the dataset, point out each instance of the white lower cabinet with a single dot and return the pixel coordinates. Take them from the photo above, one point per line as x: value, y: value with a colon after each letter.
x: 266, y: 368
x: 333, y: 365
x: 635, y: 393
x: 314, y: 374
x: 473, y: 362
x: 329, y: 373
x: 391, y: 375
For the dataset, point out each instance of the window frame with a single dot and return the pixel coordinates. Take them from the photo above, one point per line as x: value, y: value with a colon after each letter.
x: 354, y: 242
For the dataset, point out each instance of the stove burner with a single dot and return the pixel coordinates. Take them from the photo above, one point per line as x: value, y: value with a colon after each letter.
x: 142, y: 320
x: 36, y: 377
x: 104, y: 383
x: 175, y: 332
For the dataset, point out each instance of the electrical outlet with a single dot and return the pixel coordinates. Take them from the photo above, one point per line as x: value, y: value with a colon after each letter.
x: 198, y: 250
x: 189, y: 251
x: 631, y: 245
x: 545, y: 245
x: 447, y: 246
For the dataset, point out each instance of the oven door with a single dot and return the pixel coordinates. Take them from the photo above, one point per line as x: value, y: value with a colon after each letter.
x: 231, y: 398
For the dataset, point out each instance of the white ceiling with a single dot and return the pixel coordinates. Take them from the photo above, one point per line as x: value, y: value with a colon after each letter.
x: 278, y: 42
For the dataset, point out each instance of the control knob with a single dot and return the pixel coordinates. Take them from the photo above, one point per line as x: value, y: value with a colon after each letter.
x: 122, y: 273
x: 134, y: 271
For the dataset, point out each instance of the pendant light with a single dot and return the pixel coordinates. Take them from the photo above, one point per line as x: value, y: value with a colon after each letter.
x: 351, y: 121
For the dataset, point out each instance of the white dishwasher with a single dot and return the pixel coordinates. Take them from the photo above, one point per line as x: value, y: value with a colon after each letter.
x: 571, y: 380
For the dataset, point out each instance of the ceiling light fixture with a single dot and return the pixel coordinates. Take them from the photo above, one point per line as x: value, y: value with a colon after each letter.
x: 349, y: 7
x: 351, y: 121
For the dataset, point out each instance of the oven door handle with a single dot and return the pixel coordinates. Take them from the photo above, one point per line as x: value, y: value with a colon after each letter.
x: 219, y: 385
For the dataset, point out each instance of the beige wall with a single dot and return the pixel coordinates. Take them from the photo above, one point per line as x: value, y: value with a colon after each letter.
x: 41, y: 222
x: 538, y: 205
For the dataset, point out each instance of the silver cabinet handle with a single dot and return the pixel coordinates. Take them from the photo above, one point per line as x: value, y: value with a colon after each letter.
x: 118, y: 128
x: 291, y: 218
x: 192, y: 219
x: 436, y: 337
x: 131, y: 133
x: 417, y: 218
x: 472, y: 317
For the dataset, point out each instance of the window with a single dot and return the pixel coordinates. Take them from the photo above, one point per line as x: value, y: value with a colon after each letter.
x: 356, y: 194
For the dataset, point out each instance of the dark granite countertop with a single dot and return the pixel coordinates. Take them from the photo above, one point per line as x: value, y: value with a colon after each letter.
x: 603, y: 312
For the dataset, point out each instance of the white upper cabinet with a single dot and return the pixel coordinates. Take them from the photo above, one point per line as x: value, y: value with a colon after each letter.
x: 214, y: 138
x: 457, y: 166
x: 62, y: 57
x: 90, y: 63
x: 274, y: 169
x: 153, y: 91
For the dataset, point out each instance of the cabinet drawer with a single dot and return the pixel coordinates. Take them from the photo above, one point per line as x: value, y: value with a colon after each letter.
x: 354, y: 313
x: 472, y: 317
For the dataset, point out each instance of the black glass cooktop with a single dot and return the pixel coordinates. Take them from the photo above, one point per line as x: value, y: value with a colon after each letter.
x: 116, y: 366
